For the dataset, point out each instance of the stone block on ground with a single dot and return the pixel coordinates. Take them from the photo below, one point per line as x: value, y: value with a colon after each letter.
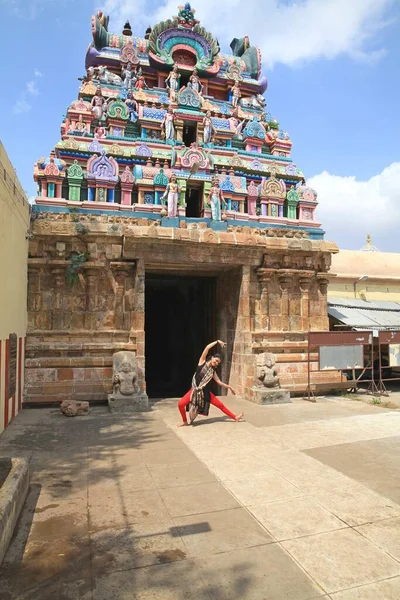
x: 266, y: 396
x: 70, y: 408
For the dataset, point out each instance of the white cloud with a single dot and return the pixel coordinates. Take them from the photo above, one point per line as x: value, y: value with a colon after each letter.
x: 286, y: 32
x: 21, y: 106
x: 32, y: 88
x: 349, y: 209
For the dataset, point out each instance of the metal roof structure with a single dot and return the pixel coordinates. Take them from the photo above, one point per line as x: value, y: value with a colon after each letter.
x: 362, y: 314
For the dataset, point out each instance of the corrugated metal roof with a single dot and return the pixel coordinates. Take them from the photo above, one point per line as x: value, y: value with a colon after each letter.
x: 363, y: 314
x: 359, y: 303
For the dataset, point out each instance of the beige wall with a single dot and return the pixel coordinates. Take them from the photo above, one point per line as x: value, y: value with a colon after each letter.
x: 14, y: 224
x: 382, y: 268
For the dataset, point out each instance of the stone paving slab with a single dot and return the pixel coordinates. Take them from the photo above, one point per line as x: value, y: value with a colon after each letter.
x: 385, y: 534
x: 222, y: 531
x: 374, y: 463
x: 295, y: 517
x: 261, y: 573
x: 196, y: 499
x: 342, y: 559
x: 382, y: 590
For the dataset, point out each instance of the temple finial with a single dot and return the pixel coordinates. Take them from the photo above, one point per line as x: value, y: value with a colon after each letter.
x: 369, y: 246
x: 127, y: 29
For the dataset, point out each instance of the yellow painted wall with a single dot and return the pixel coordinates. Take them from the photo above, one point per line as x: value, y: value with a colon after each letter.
x: 382, y: 269
x: 384, y: 291
x: 14, y: 224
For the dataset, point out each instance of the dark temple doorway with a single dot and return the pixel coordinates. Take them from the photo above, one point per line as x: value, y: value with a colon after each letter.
x: 180, y: 320
x: 193, y: 201
x: 189, y: 133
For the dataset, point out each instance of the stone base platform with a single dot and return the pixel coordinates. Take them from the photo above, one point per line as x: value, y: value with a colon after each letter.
x: 14, y: 483
x: 137, y: 403
x: 272, y: 396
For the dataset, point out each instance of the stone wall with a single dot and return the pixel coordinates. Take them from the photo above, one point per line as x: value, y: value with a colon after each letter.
x: 14, y: 231
x: 271, y: 288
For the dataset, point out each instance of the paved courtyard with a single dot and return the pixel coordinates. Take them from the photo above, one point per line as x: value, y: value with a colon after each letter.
x: 298, y: 502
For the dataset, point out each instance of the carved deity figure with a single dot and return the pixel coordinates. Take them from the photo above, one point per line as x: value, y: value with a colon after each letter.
x: 140, y: 81
x: 80, y: 125
x: 124, y: 380
x: 216, y: 199
x: 172, y: 192
x: 195, y: 83
x: 236, y: 94
x: 133, y: 107
x: 98, y: 104
x: 100, y: 132
x: 172, y: 83
x: 208, y: 128
x: 267, y: 375
x: 236, y: 124
x: 168, y: 124
x: 129, y: 77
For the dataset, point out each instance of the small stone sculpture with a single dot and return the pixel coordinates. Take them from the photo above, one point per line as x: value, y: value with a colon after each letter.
x: 124, y: 380
x: 126, y: 394
x: 267, y: 375
x: 267, y: 389
x: 69, y: 408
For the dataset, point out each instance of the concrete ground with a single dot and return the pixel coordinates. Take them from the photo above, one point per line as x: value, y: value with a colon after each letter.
x: 300, y: 501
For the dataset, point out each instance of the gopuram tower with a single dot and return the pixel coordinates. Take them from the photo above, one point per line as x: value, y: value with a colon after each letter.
x: 170, y: 213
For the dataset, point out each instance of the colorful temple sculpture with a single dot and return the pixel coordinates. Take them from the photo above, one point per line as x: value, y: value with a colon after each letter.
x: 170, y: 165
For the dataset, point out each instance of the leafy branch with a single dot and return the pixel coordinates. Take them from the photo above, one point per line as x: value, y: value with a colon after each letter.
x: 78, y: 259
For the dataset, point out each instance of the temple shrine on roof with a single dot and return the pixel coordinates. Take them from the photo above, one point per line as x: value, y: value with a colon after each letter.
x: 170, y: 214
x: 166, y: 125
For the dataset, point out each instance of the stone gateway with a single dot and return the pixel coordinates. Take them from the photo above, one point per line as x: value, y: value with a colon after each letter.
x: 170, y: 213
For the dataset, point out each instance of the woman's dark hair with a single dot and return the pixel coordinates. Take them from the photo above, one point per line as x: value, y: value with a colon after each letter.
x: 216, y: 356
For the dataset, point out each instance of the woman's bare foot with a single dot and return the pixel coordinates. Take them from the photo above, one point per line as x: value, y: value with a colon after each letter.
x: 183, y: 425
x: 239, y: 417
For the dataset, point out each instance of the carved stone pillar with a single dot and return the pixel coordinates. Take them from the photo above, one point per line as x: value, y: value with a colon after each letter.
x: 284, y: 283
x: 305, y: 283
x: 179, y: 129
x: 323, y: 283
x: 58, y: 275
x: 90, y: 276
x: 264, y: 277
x: 120, y: 279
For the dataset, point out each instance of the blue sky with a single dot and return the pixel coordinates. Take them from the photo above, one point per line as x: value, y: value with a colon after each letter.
x: 332, y: 67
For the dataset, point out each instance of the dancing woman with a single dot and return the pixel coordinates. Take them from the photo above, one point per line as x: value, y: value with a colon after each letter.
x: 199, y: 396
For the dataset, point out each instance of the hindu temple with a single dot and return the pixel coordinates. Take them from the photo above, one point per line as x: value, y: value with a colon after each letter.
x: 170, y: 213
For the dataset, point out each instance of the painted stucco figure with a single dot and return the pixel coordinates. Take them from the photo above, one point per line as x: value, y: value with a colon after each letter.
x: 172, y: 83
x: 216, y: 200
x: 133, y: 107
x: 172, y: 194
x: 236, y: 93
x: 208, y: 128
x: 98, y: 104
x: 195, y: 83
x: 168, y: 124
x: 129, y: 76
